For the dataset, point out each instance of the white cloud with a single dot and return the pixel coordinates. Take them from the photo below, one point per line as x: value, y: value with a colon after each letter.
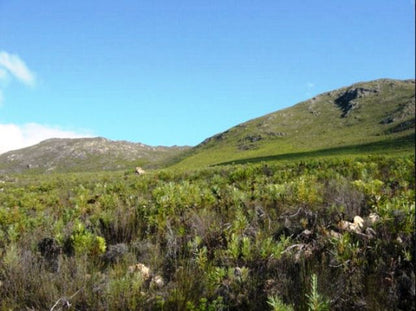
x: 12, y: 66
x: 15, y: 66
x: 13, y: 136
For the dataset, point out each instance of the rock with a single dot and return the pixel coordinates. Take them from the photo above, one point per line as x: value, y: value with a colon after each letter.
x: 359, y: 221
x: 373, y: 218
x: 355, y: 226
x: 371, y: 234
x: 140, y: 171
x: 157, y: 281
x: 347, y: 102
x: 306, y: 234
x: 142, y: 269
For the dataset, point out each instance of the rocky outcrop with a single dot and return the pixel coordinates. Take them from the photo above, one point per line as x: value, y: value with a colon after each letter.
x: 347, y: 100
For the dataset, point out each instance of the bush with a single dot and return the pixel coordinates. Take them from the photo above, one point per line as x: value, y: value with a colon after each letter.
x: 238, y: 237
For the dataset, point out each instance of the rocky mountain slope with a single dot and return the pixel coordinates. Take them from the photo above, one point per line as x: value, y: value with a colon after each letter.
x: 362, y: 114
x: 84, y: 154
x: 378, y: 114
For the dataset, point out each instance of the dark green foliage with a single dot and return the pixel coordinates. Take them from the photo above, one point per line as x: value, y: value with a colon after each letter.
x: 236, y: 237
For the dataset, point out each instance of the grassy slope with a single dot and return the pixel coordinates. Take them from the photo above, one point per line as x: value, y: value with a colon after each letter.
x: 381, y: 122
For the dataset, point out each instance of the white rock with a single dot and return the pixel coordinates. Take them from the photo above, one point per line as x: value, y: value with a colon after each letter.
x: 142, y: 269
x: 140, y: 171
x: 157, y: 281
x: 359, y: 221
x: 373, y: 218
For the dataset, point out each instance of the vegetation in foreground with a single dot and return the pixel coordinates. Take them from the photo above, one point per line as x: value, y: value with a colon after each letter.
x: 334, y: 234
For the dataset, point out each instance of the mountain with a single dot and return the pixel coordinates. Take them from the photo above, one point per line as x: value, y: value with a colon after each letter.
x: 364, y: 117
x: 369, y: 117
x: 84, y: 154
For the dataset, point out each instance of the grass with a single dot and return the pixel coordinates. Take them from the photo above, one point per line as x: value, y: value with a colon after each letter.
x: 402, y: 145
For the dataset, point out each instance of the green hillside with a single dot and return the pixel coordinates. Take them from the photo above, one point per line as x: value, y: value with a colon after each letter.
x: 370, y: 117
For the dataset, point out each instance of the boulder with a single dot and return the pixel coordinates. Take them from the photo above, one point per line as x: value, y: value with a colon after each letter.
x: 140, y: 171
x: 157, y: 282
x: 142, y: 269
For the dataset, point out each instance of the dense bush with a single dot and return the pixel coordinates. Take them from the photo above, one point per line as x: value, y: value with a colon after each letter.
x: 275, y: 236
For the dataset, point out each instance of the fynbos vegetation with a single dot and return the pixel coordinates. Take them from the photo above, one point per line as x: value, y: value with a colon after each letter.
x: 316, y: 234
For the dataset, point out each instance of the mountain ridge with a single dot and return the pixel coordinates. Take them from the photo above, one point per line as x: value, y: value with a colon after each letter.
x: 84, y: 154
x: 362, y: 113
x: 370, y: 114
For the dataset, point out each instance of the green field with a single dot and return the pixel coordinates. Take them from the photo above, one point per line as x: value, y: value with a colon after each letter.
x: 268, y: 235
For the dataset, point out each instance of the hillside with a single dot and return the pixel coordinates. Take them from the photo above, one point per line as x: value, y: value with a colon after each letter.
x: 84, y: 154
x: 368, y: 116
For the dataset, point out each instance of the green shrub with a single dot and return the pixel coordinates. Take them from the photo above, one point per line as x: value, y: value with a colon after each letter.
x: 316, y: 302
x: 236, y: 237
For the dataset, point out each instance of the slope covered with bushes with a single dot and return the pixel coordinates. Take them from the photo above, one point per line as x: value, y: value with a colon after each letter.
x: 306, y: 235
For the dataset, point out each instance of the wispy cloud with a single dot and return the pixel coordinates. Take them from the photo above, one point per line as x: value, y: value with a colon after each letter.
x: 12, y: 67
x: 12, y: 64
x: 13, y: 136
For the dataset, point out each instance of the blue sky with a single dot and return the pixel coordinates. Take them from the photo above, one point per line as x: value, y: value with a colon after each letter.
x: 177, y: 72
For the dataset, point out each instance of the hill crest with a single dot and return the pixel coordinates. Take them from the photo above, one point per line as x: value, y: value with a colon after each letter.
x: 84, y: 154
x: 375, y: 114
x: 362, y: 113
